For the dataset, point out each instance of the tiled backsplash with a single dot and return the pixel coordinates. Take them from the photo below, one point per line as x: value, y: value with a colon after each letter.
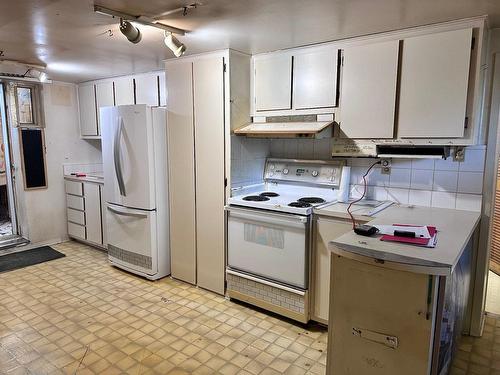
x: 423, y: 182
x: 69, y: 168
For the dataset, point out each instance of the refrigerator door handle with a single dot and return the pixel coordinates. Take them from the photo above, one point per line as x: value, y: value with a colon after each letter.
x: 123, y: 213
x: 116, y: 157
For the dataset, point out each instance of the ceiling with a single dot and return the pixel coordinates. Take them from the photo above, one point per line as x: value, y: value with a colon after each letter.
x: 75, y: 44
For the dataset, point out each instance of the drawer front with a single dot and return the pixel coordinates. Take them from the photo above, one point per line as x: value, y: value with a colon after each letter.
x: 77, y: 217
x: 73, y: 187
x: 75, y: 202
x: 75, y: 230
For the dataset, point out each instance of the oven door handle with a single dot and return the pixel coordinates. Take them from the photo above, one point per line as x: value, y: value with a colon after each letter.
x: 295, y: 221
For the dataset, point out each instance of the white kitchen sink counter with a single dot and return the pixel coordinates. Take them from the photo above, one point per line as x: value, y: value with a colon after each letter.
x: 90, y: 177
x: 455, y: 228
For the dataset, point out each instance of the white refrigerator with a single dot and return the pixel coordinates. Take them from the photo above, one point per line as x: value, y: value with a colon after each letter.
x: 134, y: 151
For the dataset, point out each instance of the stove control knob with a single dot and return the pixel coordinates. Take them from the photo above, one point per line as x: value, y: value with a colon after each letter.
x: 271, y: 166
x: 285, y: 170
x: 314, y: 173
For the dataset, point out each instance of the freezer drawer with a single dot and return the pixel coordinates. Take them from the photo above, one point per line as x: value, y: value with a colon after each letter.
x: 273, y: 246
x: 132, y: 240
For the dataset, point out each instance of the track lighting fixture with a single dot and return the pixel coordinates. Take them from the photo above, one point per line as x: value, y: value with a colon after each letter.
x: 132, y: 33
x: 174, y: 44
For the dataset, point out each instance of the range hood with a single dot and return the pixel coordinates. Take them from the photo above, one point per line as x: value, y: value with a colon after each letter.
x: 304, y: 126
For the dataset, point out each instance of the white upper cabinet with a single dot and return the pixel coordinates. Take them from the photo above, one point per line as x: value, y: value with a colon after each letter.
x: 162, y: 88
x: 124, y: 90
x: 368, y: 95
x: 273, y: 82
x: 104, y: 98
x: 315, y: 79
x: 146, y: 89
x: 434, y: 82
x: 88, y: 113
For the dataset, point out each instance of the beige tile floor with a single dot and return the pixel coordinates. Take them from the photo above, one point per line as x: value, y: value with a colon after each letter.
x: 78, y: 315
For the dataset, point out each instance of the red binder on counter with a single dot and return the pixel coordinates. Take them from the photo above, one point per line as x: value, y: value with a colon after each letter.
x: 417, y: 241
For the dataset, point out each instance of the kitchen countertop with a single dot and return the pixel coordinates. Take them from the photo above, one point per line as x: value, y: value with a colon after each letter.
x: 455, y: 228
x: 90, y: 177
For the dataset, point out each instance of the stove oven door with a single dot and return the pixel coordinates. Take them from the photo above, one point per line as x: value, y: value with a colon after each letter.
x: 270, y: 245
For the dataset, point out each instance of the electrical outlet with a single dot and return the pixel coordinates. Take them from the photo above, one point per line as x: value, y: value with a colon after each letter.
x: 386, y: 166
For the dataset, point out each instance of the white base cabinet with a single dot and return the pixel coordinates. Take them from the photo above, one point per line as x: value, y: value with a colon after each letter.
x: 85, y: 212
x: 325, y: 230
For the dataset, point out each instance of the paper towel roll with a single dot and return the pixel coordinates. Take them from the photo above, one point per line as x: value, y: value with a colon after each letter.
x: 345, y: 180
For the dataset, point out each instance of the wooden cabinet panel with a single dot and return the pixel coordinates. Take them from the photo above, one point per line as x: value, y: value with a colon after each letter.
x: 315, y: 79
x: 326, y: 230
x: 181, y: 170
x: 146, y: 89
x: 73, y: 187
x: 434, y: 82
x: 368, y: 95
x: 88, y: 111
x: 208, y: 88
x: 76, y: 230
x: 124, y: 91
x: 273, y: 82
x: 93, y: 213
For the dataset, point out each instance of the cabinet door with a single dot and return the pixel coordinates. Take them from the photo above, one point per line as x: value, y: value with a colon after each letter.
x: 181, y: 170
x: 273, y: 82
x: 93, y: 212
x: 368, y: 95
x: 124, y: 91
x: 162, y: 89
x: 104, y: 98
x: 315, y: 79
x: 103, y: 216
x: 88, y: 111
x: 146, y: 89
x: 208, y: 80
x: 434, y: 81
x: 326, y: 230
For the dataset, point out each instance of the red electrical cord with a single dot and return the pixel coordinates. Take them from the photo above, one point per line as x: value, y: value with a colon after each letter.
x: 362, y: 196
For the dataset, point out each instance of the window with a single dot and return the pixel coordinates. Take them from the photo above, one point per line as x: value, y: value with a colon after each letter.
x: 24, y: 105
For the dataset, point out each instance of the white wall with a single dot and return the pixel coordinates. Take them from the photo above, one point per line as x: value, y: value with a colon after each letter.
x: 42, y: 213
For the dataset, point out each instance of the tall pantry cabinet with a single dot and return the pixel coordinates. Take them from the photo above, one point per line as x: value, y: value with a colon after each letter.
x: 208, y: 95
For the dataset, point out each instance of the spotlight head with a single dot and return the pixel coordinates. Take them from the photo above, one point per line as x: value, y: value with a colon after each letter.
x: 132, y: 33
x: 174, y: 44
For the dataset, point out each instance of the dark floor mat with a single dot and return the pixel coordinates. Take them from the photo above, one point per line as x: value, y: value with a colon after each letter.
x: 26, y: 258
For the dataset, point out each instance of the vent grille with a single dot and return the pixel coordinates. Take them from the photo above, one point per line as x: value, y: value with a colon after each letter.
x: 130, y: 257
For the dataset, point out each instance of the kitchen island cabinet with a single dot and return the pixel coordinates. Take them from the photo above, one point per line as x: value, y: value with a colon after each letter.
x: 396, y: 308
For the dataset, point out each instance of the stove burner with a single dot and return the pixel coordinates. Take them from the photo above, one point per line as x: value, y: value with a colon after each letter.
x: 300, y: 204
x: 311, y: 200
x: 255, y: 198
x: 269, y: 194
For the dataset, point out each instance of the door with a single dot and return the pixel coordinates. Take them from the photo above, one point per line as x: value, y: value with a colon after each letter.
x: 208, y: 88
x: 88, y: 110
x: 434, y: 82
x: 93, y: 212
x: 315, y: 79
x: 124, y: 91
x: 273, y: 246
x: 180, y: 130
x: 368, y: 95
x: 326, y: 230
x: 132, y: 238
x: 128, y: 156
x: 273, y: 82
x: 146, y: 89
x: 104, y: 98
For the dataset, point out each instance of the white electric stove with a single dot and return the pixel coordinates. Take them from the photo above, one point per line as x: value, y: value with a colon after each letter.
x: 269, y: 234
